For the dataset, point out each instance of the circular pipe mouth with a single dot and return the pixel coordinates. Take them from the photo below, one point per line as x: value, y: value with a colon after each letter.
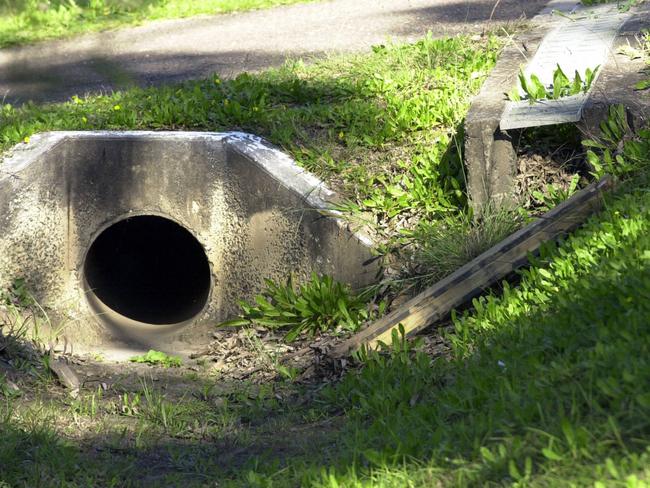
x: 147, y: 270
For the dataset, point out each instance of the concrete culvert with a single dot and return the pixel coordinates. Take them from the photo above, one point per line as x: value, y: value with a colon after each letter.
x: 145, y: 240
x: 148, y: 269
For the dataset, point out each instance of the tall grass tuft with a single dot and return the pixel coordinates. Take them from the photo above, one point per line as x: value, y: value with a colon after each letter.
x: 444, y: 246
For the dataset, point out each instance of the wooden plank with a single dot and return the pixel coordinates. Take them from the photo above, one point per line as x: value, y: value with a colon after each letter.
x: 470, y: 280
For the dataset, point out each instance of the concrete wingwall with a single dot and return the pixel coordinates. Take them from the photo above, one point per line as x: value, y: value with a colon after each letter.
x: 255, y: 213
x: 489, y: 151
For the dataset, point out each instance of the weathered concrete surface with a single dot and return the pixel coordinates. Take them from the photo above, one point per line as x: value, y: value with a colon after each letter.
x: 170, y: 51
x: 491, y: 162
x: 255, y: 213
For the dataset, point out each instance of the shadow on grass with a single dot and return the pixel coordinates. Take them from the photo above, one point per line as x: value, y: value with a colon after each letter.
x: 58, y: 79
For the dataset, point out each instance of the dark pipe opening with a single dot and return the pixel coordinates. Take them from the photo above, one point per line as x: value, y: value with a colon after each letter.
x: 149, y: 269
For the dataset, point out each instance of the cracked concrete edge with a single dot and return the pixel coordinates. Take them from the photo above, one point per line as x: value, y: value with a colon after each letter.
x: 280, y: 166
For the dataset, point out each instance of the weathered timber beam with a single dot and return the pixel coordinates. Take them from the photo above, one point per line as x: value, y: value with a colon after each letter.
x: 469, y: 281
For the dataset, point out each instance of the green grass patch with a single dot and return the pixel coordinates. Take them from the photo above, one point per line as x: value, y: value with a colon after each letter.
x: 548, y: 384
x: 446, y: 244
x: 27, y: 21
x: 562, y: 86
x: 157, y: 358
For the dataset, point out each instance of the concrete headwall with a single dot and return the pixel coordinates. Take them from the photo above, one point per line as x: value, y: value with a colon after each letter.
x: 255, y: 213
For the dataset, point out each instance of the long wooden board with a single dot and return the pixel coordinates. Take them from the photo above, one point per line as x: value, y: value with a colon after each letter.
x: 470, y: 280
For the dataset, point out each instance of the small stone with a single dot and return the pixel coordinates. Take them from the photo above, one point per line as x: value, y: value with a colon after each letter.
x: 64, y: 373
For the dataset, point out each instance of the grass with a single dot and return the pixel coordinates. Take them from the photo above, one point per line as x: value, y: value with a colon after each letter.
x: 547, y: 383
x: 447, y: 244
x: 319, y: 305
x: 534, y: 90
x: 157, y: 358
x: 28, y: 21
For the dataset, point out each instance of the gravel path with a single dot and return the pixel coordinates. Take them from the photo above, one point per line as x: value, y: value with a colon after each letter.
x: 170, y: 51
